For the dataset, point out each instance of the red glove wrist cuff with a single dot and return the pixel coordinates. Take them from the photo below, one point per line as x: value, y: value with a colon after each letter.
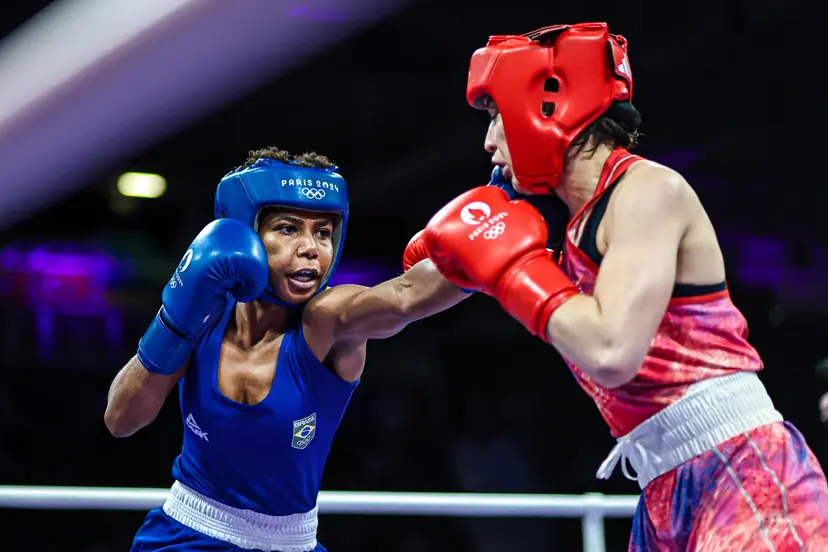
x: 531, y: 290
x: 415, y: 251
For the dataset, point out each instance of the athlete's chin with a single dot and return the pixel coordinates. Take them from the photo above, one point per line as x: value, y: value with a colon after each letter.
x: 297, y: 292
x: 520, y: 189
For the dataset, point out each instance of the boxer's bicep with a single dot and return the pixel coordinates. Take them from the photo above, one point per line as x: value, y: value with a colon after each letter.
x: 644, y: 227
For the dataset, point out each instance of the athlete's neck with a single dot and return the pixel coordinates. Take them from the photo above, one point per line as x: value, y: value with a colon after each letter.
x: 582, y: 172
x: 258, y: 322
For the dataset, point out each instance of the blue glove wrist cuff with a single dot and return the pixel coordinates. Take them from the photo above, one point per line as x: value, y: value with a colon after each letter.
x: 161, y: 350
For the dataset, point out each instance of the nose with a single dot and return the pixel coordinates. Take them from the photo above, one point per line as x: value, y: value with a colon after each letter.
x: 307, y: 246
x: 489, y: 142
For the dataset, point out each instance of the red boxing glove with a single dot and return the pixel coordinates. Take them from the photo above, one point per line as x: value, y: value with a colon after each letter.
x: 483, y: 240
x: 415, y: 251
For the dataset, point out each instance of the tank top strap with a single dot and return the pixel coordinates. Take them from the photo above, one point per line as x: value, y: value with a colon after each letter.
x: 296, y: 349
x: 298, y: 355
x: 614, y: 167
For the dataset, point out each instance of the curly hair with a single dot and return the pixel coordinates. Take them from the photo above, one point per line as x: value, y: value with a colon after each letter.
x: 617, y: 127
x: 309, y: 159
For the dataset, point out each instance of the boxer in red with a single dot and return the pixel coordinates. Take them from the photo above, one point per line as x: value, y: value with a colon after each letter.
x: 635, y: 301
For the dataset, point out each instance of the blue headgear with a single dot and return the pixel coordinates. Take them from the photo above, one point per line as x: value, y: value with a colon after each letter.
x: 244, y: 192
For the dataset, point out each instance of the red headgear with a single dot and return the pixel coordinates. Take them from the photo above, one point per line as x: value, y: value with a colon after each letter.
x: 549, y: 85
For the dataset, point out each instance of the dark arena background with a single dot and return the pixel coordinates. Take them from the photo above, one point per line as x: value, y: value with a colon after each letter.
x: 119, y: 117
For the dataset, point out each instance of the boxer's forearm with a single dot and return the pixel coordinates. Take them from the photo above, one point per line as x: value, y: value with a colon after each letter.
x: 135, y: 398
x: 385, y: 309
x: 423, y: 291
x: 580, y: 333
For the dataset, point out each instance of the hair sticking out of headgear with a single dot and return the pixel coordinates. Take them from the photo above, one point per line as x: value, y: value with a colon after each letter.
x: 244, y: 192
x: 310, y: 159
x: 548, y: 86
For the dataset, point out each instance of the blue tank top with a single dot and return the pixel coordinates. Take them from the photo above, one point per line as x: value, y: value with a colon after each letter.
x: 267, y: 457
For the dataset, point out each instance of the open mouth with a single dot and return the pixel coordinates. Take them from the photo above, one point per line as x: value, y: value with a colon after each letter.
x: 304, y: 276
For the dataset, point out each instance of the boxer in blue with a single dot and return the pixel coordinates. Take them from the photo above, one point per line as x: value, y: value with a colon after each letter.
x: 265, y: 356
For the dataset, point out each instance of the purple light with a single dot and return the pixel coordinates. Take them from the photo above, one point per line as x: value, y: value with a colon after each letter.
x: 323, y: 15
x: 301, y: 9
x: 331, y: 16
x: 681, y: 159
x: 762, y: 261
x: 93, y: 265
x: 12, y: 260
x: 47, y: 314
x: 363, y: 273
x: 60, y: 274
x: 45, y: 331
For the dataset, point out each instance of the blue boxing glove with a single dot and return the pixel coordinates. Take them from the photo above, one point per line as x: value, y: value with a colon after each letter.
x: 505, y: 185
x: 226, y: 257
x: 550, y: 206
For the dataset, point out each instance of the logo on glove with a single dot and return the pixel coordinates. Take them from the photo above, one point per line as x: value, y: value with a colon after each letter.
x: 495, y: 231
x: 475, y: 213
x: 185, y: 262
x: 479, y: 214
x: 176, y: 279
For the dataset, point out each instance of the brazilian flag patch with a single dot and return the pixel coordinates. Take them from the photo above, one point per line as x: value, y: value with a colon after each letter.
x: 304, y: 431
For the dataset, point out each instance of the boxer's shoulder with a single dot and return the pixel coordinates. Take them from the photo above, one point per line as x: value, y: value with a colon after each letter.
x: 648, y: 184
x: 650, y: 196
x: 326, y: 312
x: 328, y: 304
x: 644, y: 173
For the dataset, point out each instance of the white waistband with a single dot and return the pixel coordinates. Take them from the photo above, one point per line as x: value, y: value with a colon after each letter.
x: 244, y: 528
x: 712, y: 412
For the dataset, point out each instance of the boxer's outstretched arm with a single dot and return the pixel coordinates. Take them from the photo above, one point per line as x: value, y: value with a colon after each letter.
x: 339, y: 322
x: 136, y: 397
x: 357, y: 313
x: 609, y: 333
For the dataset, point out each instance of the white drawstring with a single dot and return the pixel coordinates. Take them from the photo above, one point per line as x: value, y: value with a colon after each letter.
x: 631, y: 454
x: 711, y: 412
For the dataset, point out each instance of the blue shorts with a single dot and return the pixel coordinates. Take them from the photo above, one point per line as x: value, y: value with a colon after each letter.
x: 161, y: 533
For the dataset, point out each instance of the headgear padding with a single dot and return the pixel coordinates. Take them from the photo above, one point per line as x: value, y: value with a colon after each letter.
x: 549, y: 85
x: 243, y: 193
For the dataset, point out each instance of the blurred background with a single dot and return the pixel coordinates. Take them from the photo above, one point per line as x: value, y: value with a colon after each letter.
x: 464, y: 402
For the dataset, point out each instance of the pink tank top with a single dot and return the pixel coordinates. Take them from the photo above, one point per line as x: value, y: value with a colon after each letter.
x: 700, y: 337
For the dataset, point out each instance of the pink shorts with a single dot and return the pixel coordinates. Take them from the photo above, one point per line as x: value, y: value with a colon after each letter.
x: 762, y: 490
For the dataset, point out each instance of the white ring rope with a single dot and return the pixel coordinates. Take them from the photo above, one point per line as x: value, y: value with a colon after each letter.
x: 592, y: 508
x: 342, y: 502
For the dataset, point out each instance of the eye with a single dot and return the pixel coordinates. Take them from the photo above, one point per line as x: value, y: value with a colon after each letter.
x: 324, y: 233
x: 490, y: 106
x: 286, y: 229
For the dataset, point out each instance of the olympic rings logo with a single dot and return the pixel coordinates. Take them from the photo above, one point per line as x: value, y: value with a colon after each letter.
x: 495, y: 231
x: 312, y: 193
